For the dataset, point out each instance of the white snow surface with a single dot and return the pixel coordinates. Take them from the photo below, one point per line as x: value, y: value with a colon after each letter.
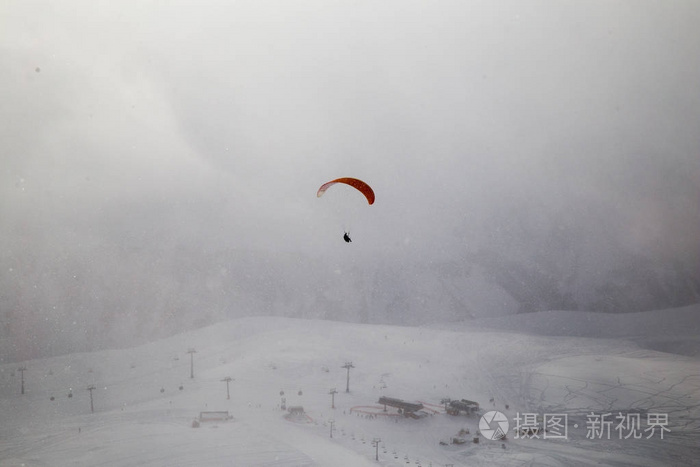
x: 145, y: 401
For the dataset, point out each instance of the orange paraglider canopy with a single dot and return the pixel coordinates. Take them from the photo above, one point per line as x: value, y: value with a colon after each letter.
x: 353, y: 182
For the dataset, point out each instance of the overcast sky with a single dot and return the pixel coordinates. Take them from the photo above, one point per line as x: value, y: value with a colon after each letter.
x: 142, y: 124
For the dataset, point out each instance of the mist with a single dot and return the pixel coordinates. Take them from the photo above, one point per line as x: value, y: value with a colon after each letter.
x: 160, y: 163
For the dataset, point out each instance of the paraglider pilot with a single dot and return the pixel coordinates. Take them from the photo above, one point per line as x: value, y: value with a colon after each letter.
x: 346, y: 237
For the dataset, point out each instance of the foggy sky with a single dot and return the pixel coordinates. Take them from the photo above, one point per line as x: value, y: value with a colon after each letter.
x: 135, y: 126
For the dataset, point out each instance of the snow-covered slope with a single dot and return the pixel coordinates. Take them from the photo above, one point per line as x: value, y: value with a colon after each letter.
x: 145, y: 400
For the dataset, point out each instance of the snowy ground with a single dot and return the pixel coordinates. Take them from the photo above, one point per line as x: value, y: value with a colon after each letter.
x: 145, y: 401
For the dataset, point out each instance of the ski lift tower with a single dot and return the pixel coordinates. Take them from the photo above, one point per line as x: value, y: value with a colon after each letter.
x: 22, y: 369
x: 191, y: 352
x: 91, y: 388
x: 333, y: 393
x: 348, y: 365
x: 227, y: 380
x: 375, y: 443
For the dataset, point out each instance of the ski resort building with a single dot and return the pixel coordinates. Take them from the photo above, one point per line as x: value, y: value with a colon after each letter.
x: 408, y: 409
x: 214, y: 416
x: 463, y: 405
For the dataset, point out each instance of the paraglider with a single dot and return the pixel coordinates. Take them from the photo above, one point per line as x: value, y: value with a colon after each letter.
x: 361, y: 186
x: 358, y: 184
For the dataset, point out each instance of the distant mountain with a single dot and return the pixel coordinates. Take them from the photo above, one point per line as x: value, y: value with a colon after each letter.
x: 109, y: 299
